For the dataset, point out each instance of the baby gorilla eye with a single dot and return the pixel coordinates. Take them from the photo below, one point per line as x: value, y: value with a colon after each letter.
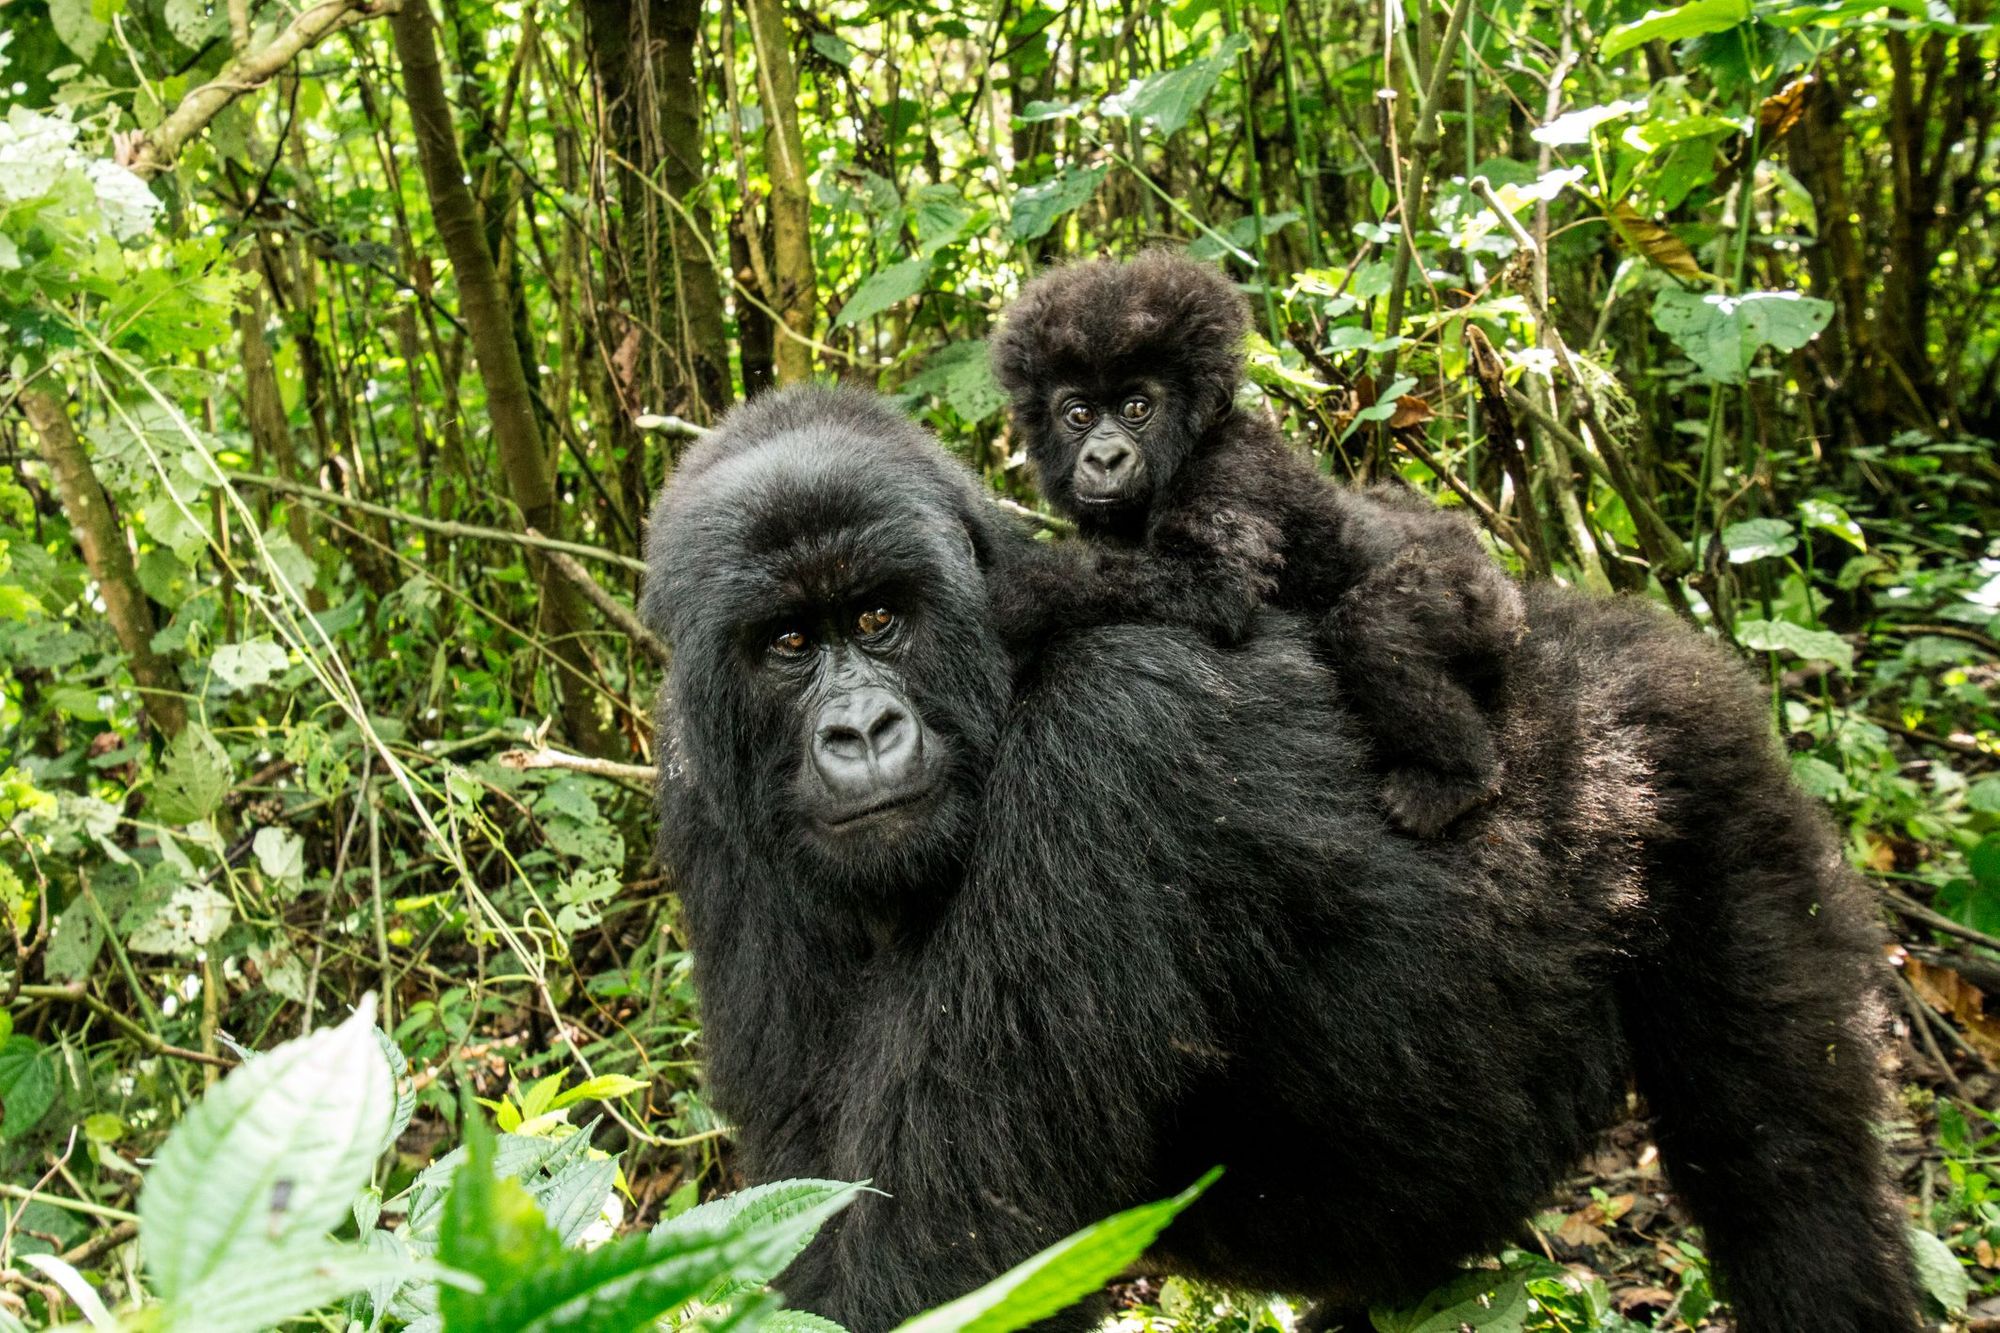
x: 790, y: 643
x: 871, y: 623
x: 1136, y: 409
x: 1080, y: 415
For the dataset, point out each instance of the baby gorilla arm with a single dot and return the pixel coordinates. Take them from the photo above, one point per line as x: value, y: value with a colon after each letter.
x: 1207, y: 574
x: 1421, y: 640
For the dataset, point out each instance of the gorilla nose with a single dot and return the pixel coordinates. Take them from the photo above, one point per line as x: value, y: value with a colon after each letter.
x: 868, y: 744
x: 1104, y: 466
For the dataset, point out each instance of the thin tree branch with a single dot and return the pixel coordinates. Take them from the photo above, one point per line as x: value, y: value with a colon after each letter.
x: 440, y: 526
x: 155, y: 152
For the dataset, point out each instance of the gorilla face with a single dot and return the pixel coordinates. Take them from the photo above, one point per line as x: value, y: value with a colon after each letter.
x: 1116, y: 372
x: 821, y: 586
x: 1103, y: 449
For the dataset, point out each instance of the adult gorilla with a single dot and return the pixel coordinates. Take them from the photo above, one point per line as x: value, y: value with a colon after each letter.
x: 1026, y: 951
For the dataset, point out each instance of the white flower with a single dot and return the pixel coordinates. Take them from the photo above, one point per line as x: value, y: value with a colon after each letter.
x: 130, y: 209
x: 34, y: 151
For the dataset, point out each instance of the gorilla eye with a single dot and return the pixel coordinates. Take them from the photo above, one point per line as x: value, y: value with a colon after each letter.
x: 1136, y: 409
x: 790, y: 643
x: 874, y: 622
x: 1080, y: 415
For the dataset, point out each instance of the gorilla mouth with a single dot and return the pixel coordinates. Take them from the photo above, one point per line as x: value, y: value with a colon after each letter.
x: 886, y: 805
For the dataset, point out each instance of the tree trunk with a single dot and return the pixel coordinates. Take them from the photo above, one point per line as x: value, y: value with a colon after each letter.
x: 676, y: 28
x: 106, y: 555
x: 754, y: 335
x: 484, y: 306
x: 791, y: 201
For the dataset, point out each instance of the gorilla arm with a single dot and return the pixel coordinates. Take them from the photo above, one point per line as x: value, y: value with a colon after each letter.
x: 1207, y: 572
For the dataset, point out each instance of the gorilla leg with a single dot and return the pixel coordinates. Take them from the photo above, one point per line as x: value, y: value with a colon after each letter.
x: 1411, y: 642
x: 1754, y: 1037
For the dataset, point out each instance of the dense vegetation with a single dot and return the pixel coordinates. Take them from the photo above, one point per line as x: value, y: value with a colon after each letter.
x: 347, y: 343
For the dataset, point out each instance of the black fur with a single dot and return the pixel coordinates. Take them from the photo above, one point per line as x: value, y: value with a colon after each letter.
x: 1223, y: 515
x: 1160, y: 924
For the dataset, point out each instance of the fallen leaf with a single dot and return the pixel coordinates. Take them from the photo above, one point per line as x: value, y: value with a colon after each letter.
x: 1952, y: 995
x: 1632, y: 1300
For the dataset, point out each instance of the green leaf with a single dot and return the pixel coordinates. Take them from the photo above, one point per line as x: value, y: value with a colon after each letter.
x: 1674, y: 25
x: 833, y: 48
x: 27, y: 1084
x: 263, y: 1287
x: 603, y: 1088
x: 532, y: 1286
x: 243, y: 666
x: 1983, y: 860
x: 76, y: 21
x: 1826, y: 516
x: 1037, y: 208
x: 194, y: 778
x: 1938, y: 1269
x: 1818, y: 777
x: 961, y: 373
x: 880, y: 290
x: 1758, y: 539
x: 1983, y: 796
x: 281, y: 854
x: 1482, y: 1301
x: 1722, y: 334
x: 1061, y: 1275
x: 1167, y: 100
x: 759, y: 1206
x: 1782, y: 636
x: 270, y: 1158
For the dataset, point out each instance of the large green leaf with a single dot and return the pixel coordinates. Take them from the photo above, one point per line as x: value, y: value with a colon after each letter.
x: 758, y: 1206
x: 1722, y: 334
x: 1758, y: 539
x: 1061, y: 1275
x: 270, y: 1158
x: 494, y: 1232
x: 1938, y: 1269
x: 262, y: 1289
x: 1782, y: 636
x: 193, y: 779
x: 27, y: 1084
x: 1167, y: 100
x: 878, y: 291
x: 1038, y: 207
x: 1674, y: 25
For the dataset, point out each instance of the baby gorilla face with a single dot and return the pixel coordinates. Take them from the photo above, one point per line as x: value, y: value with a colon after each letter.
x: 1107, y: 449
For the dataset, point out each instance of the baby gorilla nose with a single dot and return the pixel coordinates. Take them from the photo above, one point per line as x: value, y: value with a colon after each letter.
x: 868, y: 748
x: 1104, y: 468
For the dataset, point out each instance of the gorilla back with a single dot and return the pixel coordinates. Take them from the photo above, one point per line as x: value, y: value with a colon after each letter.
x: 946, y: 939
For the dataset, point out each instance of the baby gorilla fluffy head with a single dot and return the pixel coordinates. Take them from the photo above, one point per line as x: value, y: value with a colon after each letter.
x: 816, y: 564
x: 1117, y: 372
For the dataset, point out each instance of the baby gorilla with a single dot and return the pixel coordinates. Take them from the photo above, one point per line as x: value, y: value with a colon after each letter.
x: 1123, y: 378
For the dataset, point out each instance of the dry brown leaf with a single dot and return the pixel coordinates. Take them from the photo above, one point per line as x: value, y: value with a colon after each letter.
x: 1577, y: 1231
x: 1952, y: 995
x: 1655, y: 242
x: 1410, y: 411
x: 1634, y: 1299
x: 1983, y: 1252
x: 1782, y: 109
